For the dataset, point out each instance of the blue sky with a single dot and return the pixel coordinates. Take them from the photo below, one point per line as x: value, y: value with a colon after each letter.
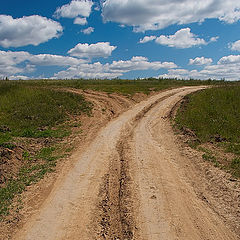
x: 120, y: 38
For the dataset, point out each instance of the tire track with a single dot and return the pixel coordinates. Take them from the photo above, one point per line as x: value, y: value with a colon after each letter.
x: 116, y: 209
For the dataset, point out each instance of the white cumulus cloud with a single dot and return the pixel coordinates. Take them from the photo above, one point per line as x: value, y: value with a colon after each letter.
x: 31, y: 30
x: 10, y: 61
x: 147, y: 39
x: 181, y: 39
x: 226, y: 68
x: 74, y: 9
x: 17, y: 64
x: 19, y: 77
x: 53, y: 60
x: 88, y: 30
x: 112, y: 70
x: 89, y: 51
x: 214, y: 39
x: 200, y: 61
x: 157, y: 14
x: 235, y: 46
x: 80, y: 21
x: 231, y: 59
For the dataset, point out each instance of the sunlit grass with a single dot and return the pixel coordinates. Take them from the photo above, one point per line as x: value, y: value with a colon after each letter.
x: 213, y: 112
x: 33, y: 112
x: 214, y: 116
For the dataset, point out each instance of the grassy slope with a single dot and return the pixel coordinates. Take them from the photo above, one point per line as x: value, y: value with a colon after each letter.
x: 26, y: 111
x: 29, y: 112
x: 214, y: 115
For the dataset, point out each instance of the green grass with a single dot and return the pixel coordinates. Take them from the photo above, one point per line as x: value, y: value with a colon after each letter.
x: 33, y: 170
x: 235, y: 167
x: 211, y: 158
x: 214, y: 115
x: 213, y: 112
x: 36, y: 112
x: 126, y: 87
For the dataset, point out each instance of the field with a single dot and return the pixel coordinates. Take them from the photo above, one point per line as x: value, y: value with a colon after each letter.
x: 125, y: 87
x: 214, y: 116
x: 48, y: 127
x: 35, y: 117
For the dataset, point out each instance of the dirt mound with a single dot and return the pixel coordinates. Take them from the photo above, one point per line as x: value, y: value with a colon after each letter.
x: 10, y: 163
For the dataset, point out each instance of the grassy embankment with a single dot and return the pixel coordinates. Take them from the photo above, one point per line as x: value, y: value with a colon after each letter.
x: 32, y: 116
x: 214, y: 116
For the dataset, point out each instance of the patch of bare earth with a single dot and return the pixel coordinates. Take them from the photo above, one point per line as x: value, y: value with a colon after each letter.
x: 211, y: 179
x: 219, y: 188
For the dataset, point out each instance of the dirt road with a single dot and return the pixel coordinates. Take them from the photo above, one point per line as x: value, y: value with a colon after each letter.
x: 129, y: 183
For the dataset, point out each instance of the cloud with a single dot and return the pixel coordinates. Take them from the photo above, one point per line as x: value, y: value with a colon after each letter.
x: 112, y: 70
x: 158, y: 14
x: 88, y: 30
x: 139, y: 63
x: 10, y: 58
x: 95, y: 70
x: 74, y: 9
x: 14, y: 58
x: 101, y: 49
x: 226, y: 68
x: 19, y: 77
x: 181, y: 39
x: 24, y: 62
x: 200, y: 61
x: 147, y: 39
x: 80, y: 21
x: 231, y: 59
x: 8, y: 70
x: 31, y: 30
x: 214, y: 39
x: 54, y: 60
x: 17, y: 64
x: 235, y: 46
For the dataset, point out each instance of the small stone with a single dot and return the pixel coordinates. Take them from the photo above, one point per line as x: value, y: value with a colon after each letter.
x: 153, y: 197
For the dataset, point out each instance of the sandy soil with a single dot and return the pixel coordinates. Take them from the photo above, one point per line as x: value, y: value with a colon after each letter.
x: 133, y: 181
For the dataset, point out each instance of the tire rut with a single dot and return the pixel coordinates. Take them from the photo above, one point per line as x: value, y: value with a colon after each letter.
x: 115, y: 208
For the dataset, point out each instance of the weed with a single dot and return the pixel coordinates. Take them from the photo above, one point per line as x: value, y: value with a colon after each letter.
x: 235, y: 167
x: 30, y: 173
x: 26, y: 155
x: 233, y: 147
x: 209, y: 157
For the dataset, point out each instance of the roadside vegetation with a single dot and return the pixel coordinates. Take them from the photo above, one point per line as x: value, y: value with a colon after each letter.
x: 213, y: 115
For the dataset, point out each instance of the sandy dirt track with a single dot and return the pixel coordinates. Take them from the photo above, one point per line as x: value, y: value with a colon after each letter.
x: 129, y: 183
